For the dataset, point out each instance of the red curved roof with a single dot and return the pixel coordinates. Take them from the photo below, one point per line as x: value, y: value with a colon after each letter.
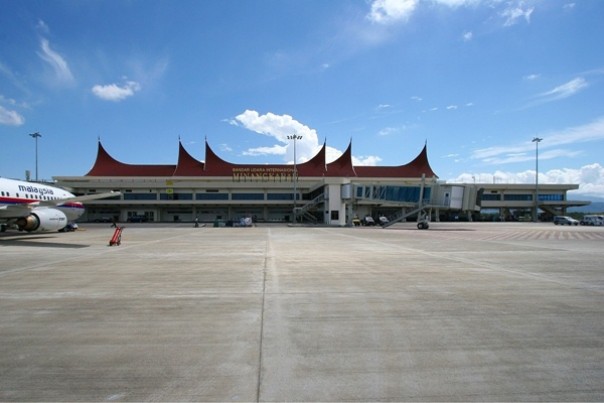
x: 105, y: 165
x: 343, y: 165
x: 415, y: 169
x: 187, y: 165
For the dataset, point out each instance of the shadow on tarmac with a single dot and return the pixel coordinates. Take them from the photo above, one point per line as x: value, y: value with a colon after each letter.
x: 13, y: 239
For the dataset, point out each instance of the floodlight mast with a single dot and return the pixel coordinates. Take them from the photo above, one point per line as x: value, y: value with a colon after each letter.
x: 536, y: 140
x: 36, y: 136
x: 295, y: 137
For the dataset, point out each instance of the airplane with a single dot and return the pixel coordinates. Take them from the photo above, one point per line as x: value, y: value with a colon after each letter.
x: 37, y: 207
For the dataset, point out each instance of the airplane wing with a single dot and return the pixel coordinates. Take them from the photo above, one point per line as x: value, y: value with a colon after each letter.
x: 14, y: 211
x: 76, y: 199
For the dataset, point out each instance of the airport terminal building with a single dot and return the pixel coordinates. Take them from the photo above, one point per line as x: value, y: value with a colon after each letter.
x: 315, y: 191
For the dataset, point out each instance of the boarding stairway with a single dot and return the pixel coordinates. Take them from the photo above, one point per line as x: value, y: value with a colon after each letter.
x: 304, y: 212
x: 402, y: 216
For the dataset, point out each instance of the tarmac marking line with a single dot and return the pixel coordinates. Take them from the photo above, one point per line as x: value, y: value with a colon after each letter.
x: 268, y: 262
x: 479, y: 265
x: 52, y: 264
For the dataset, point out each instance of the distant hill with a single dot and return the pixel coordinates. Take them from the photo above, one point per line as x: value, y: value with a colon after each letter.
x: 596, y: 206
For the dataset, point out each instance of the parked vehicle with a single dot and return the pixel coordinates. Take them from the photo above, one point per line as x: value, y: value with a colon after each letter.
x: 368, y: 220
x: 594, y: 220
x: 565, y: 220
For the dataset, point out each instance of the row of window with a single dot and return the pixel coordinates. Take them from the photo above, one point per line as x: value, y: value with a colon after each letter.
x: 209, y: 196
x: 393, y: 193
x: 521, y: 197
x: 30, y: 196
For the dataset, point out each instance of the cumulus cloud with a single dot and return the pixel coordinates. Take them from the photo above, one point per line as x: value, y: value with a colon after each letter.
x: 279, y: 127
x: 370, y: 160
x: 385, y: 12
x: 10, y: 118
x: 62, y: 73
x: 390, y: 11
x: 115, y: 92
x: 589, y: 177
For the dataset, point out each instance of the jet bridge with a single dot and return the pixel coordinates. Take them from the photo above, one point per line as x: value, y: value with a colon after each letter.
x: 422, y: 201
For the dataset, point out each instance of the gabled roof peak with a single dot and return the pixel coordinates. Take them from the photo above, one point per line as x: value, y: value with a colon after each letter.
x: 106, y: 165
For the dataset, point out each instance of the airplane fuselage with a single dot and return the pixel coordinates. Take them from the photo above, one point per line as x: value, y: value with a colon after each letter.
x: 36, y: 206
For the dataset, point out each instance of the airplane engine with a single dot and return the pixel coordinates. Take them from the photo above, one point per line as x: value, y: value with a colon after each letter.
x: 43, y: 220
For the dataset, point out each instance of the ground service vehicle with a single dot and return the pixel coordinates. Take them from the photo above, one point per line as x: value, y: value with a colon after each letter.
x: 594, y: 220
x: 565, y: 220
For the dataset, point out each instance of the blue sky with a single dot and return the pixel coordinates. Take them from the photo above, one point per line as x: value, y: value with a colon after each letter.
x: 475, y: 79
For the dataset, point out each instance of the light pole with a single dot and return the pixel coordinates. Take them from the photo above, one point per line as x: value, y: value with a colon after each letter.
x: 36, y: 136
x: 536, y: 140
x: 295, y: 176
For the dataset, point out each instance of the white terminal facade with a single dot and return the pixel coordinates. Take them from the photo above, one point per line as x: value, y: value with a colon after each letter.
x: 327, y: 193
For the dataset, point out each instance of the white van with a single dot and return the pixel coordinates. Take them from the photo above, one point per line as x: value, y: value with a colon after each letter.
x: 596, y: 220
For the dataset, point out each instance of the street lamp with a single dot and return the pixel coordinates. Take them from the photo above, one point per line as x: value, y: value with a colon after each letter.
x: 536, y: 140
x: 36, y: 136
x: 295, y: 178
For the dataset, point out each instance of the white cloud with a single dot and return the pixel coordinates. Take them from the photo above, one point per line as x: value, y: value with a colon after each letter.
x: 387, y: 131
x: 390, y: 11
x: 115, y: 92
x: 225, y: 147
x: 515, y: 12
x: 279, y: 127
x: 531, y: 77
x: 451, y: 107
x: 589, y: 132
x: 589, y: 177
x: 569, y: 6
x: 10, y: 118
x: 57, y: 63
x: 274, y: 150
x: 42, y: 27
x: 457, y: 3
x: 370, y: 160
x: 467, y: 36
x: 565, y: 90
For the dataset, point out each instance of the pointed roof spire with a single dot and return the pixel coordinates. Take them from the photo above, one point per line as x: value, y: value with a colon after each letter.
x: 343, y: 165
x: 187, y: 165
